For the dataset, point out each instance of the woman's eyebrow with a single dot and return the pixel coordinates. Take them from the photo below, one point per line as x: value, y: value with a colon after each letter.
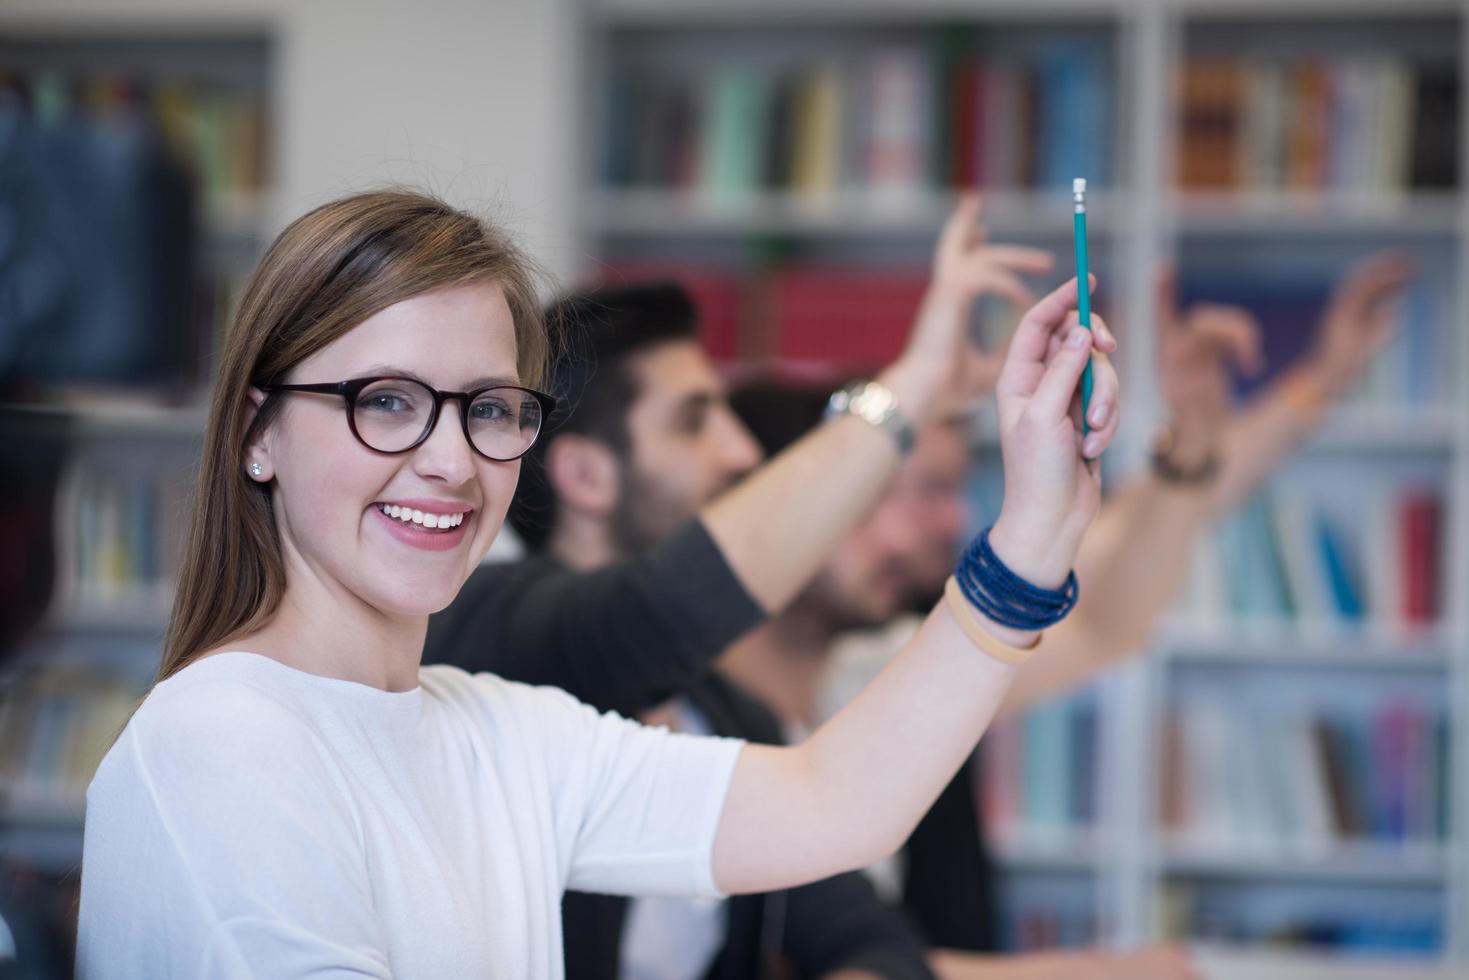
x: 389, y: 371
x: 491, y: 382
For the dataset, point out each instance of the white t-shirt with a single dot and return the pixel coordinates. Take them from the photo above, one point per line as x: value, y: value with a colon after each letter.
x: 255, y: 820
x: 673, y: 937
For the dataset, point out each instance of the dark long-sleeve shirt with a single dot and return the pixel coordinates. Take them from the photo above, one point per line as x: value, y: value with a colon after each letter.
x: 621, y: 638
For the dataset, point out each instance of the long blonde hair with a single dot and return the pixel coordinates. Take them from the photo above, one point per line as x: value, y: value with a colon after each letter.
x: 327, y: 272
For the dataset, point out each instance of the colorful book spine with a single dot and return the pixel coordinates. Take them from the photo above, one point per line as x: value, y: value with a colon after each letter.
x: 1039, y: 773
x: 894, y: 122
x: 1352, y: 125
x: 1276, y: 781
x: 1284, y: 559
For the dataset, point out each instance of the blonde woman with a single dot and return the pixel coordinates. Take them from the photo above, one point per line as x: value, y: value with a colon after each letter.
x: 298, y: 797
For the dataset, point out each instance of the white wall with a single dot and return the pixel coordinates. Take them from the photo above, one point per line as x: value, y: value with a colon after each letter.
x: 470, y: 98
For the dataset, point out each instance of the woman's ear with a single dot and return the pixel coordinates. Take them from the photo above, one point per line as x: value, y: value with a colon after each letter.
x: 257, y: 453
x: 583, y: 474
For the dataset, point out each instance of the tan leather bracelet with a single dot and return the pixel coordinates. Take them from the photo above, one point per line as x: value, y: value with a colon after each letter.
x: 968, y: 621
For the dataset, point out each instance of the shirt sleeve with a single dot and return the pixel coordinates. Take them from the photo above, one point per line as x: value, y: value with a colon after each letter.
x: 621, y: 638
x: 220, y: 850
x: 637, y: 807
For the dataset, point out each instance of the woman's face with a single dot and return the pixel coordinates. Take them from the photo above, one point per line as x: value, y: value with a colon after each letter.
x: 331, y: 491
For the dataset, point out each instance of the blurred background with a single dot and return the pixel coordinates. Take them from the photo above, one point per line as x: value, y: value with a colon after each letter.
x: 1287, y: 771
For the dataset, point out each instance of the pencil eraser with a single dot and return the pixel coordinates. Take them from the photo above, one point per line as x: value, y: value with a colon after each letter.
x: 1078, y: 186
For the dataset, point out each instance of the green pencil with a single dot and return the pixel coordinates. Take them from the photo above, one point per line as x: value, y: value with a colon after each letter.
x: 1084, y: 296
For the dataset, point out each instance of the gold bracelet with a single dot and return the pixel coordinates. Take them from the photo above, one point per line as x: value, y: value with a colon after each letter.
x: 964, y: 615
x: 1305, y: 396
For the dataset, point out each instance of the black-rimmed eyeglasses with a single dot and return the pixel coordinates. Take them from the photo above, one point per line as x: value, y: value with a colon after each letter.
x: 394, y: 415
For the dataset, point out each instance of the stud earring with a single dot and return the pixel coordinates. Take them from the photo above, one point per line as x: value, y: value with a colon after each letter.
x: 256, y: 469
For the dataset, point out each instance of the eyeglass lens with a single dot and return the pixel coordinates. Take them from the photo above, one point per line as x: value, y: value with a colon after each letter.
x: 394, y: 413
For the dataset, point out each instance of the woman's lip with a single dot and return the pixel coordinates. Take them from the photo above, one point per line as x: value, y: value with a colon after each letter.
x: 428, y: 506
x: 420, y: 537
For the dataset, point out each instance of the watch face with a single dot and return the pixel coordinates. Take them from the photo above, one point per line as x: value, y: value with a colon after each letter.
x: 873, y: 402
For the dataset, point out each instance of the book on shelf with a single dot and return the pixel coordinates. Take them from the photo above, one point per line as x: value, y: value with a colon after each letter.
x: 1378, y: 125
x: 1038, y: 782
x: 1242, y: 780
x: 219, y: 132
x: 120, y: 536
x: 895, y: 121
x: 846, y: 319
x: 1368, y: 922
x: 819, y: 321
x: 1038, y: 925
x: 56, y: 724
x: 111, y: 172
x: 1284, y: 559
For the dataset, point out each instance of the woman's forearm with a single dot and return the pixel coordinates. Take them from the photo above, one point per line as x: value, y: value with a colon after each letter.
x: 1262, y: 434
x: 853, y: 792
x: 777, y: 527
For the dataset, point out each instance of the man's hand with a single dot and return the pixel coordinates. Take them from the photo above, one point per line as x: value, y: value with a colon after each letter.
x: 1197, y: 348
x: 1359, y: 321
x: 940, y: 364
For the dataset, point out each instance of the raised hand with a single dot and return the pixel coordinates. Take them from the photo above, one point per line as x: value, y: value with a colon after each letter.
x: 1197, y: 348
x: 1359, y: 321
x: 966, y: 266
x: 1052, y: 487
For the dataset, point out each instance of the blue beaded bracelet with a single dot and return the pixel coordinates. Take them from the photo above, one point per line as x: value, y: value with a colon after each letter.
x: 1007, y: 598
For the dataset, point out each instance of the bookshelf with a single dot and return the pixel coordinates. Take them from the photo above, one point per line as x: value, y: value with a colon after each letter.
x: 202, y: 96
x: 1120, y: 876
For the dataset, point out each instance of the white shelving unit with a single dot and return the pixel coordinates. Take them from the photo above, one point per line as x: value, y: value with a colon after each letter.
x: 1139, y: 221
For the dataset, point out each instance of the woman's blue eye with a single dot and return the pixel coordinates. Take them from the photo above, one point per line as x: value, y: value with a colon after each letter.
x: 387, y: 402
x: 490, y: 410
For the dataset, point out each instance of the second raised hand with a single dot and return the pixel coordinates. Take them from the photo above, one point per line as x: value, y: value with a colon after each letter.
x: 1052, y: 493
x: 939, y: 361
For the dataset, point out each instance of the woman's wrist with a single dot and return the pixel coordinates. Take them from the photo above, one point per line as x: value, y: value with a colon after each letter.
x: 1044, y: 560
x: 992, y: 600
x: 1308, y: 391
x: 1014, y: 645
x: 1181, y: 458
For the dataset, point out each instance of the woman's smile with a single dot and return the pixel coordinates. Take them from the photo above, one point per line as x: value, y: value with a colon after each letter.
x: 427, y: 524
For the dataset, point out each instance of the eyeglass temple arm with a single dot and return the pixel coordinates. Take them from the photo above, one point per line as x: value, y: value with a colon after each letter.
x: 336, y: 388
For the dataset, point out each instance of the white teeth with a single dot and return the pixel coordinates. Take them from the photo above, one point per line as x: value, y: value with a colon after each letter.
x: 419, y: 517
